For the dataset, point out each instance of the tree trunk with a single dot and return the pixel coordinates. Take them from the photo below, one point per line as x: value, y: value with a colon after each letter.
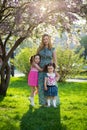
x: 5, y: 78
x: 5, y: 68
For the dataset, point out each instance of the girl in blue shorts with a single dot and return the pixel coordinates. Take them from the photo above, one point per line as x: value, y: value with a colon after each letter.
x: 51, y: 78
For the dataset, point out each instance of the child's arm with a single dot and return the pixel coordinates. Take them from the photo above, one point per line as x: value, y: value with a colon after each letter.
x: 57, y: 76
x: 38, y: 67
x: 45, y: 83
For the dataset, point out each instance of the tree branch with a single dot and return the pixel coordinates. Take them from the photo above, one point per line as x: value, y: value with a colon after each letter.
x: 7, y: 38
x: 3, y: 5
x: 17, y: 43
x: 10, y: 7
x: 1, y: 43
x: 5, y: 17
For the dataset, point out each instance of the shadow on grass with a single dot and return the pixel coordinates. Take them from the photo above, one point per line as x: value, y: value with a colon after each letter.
x: 42, y: 119
x: 1, y: 98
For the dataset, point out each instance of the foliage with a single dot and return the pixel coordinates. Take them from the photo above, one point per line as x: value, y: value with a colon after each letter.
x: 18, y: 19
x: 83, y: 42
x: 16, y: 111
x: 22, y: 59
x: 69, y: 62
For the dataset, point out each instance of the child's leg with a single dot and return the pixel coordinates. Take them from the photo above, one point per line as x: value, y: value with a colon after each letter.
x: 36, y: 91
x: 48, y: 101
x: 54, y: 101
x: 32, y: 91
x: 31, y: 98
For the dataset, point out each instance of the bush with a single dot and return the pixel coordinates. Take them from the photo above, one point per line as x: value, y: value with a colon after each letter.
x: 22, y: 59
x: 69, y: 62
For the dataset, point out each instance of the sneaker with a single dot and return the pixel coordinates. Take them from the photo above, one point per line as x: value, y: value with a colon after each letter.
x: 54, y: 103
x: 32, y: 104
x: 48, y: 105
x: 54, y: 106
x: 31, y: 101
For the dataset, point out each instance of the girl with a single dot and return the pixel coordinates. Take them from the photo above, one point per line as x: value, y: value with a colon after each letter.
x: 33, y: 76
x: 50, y: 84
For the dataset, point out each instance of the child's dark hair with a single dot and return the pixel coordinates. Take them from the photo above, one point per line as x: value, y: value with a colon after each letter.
x: 32, y: 58
x: 50, y: 64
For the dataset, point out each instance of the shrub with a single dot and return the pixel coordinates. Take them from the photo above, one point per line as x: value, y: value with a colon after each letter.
x: 22, y: 59
x: 69, y: 62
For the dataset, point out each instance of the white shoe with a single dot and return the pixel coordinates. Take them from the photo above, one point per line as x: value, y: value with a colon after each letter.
x: 54, y: 103
x: 54, y: 106
x: 32, y: 104
x: 48, y: 103
x: 31, y: 101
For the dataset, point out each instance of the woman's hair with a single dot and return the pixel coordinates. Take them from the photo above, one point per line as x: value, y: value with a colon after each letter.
x: 33, y: 57
x: 42, y: 43
x: 50, y: 64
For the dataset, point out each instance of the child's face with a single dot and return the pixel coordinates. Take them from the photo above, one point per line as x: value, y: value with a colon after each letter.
x: 50, y: 69
x: 37, y: 59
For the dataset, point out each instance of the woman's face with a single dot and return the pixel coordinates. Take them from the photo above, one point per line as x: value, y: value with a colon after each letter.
x: 46, y: 40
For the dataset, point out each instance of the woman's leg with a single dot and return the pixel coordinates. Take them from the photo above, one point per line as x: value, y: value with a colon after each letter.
x: 42, y: 98
x: 57, y: 97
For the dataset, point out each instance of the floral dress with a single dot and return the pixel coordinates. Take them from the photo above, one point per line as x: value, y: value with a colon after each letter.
x: 46, y: 58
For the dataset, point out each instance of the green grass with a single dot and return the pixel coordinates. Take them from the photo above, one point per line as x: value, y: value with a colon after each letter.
x: 17, y: 114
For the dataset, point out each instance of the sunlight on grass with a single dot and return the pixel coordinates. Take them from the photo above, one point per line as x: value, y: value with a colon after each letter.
x: 17, y: 114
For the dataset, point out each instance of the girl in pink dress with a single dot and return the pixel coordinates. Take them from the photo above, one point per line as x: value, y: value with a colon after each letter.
x: 33, y: 76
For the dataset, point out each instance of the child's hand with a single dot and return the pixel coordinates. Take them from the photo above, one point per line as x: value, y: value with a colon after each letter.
x: 45, y: 88
x: 57, y: 78
x: 41, y: 69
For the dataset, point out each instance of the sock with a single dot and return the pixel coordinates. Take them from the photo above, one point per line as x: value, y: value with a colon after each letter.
x: 48, y: 102
x: 54, y: 102
x: 31, y: 100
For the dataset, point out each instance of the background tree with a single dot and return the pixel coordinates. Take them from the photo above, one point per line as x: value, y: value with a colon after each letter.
x: 18, y: 18
x: 83, y: 42
x: 22, y: 59
x: 69, y: 62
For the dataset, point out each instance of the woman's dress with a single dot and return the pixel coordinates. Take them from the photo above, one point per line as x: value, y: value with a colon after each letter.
x: 46, y: 57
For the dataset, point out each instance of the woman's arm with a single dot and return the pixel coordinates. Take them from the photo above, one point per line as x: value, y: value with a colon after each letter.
x: 45, y: 83
x: 54, y: 57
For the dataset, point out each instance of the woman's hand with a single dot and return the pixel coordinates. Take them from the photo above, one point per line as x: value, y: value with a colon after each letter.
x: 45, y: 88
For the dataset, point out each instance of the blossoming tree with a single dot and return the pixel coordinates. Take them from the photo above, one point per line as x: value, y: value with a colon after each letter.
x: 18, y: 19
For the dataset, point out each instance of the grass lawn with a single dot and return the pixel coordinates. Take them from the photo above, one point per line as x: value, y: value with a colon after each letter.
x: 17, y: 114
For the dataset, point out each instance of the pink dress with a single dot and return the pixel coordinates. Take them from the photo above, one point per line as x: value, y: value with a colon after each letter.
x: 33, y: 77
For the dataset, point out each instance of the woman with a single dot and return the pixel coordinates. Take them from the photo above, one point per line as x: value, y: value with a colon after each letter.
x: 48, y: 55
